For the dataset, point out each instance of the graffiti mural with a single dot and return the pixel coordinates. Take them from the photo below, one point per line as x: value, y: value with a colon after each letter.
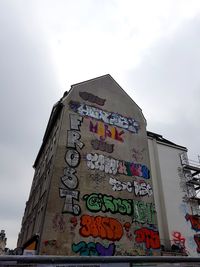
x: 178, y: 241
x: 147, y: 236
x: 101, y: 145
x: 59, y: 223
x: 93, y: 249
x: 104, y: 131
x: 140, y: 188
x: 107, y: 132
x: 194, y: 220
x: 105, y: 116
x: 112, y: 166
x: 140, y: 211
x: 103, y: 227
x: 197, y: 240
x: 92, y: 98
x: 72, y: 159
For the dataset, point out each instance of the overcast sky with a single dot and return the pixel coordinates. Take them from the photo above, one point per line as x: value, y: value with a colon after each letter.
x: 151, y: 48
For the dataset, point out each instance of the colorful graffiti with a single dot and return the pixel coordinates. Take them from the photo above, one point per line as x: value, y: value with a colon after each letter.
x: 106, y: 126
x: 103, y: 227
x: 105, y: 116
x: 197, y: 240
x: 101, y: 145
x: 149, y: 237
x: 113, y: 166
x: 72, y: 159
x: 194, y: 220
x: 140, y: 188
x: 59, y: 223
x: 178, y: 241
x: 140, y: 211
x: 92, y: 98
x: 93, y: 249
x: 104, y: 131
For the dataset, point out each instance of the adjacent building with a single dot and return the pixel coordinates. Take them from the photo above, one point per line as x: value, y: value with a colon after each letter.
x: 3, y: 240
x: 104, y: 185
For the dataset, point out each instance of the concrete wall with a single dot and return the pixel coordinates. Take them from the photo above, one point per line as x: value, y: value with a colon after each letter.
x: 101, y: 197
x: 170, y: 191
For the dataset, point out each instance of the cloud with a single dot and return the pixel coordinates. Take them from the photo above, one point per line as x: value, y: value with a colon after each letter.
x: 167, y: 86
x: 28, y: 91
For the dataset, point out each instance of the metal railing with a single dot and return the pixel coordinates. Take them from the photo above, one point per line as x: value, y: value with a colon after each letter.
x: 87, y: 261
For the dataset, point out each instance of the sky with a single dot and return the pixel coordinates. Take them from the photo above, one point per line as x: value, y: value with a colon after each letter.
x: 151, y: 48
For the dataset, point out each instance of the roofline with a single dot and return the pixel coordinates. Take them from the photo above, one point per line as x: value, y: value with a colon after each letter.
x: 108, y: 75
x: 159, y: 138
x: 56, y: 110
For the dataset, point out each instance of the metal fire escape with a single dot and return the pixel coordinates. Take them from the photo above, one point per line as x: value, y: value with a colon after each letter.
x: 191, y: 170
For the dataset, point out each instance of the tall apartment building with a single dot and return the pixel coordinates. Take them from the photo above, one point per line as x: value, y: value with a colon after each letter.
x: 103, y: 185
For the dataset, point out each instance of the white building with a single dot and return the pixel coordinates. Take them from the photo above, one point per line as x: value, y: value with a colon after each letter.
x: 176, y: 184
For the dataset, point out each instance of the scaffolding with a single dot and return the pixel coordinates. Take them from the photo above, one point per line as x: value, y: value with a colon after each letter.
x: 191, y: 171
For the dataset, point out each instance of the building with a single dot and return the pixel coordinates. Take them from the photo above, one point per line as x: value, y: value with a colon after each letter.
x: 176, y: 183
x: 103, y: 185
x: 3, y: 240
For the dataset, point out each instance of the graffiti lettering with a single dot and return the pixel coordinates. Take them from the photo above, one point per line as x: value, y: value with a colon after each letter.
x: 101, y: 145
x: 140, y: 188
x: 72, y: 159
x: 107, y: 117
x: 59, y: 223
x: 74, y: 139
x: 197, y: 240
x: 119, y: 186
x: 69, y: 196
x: 113, y: 166
x: 92, y: 98
x: 104, y: 131
x: 69, y: 179
x: 149, y: 237
x: 75, y: 122
x: 102, y: 163
x: 93, y: 249
x: 103, y: 227
x: 140, y: 211
x: 194, y: 220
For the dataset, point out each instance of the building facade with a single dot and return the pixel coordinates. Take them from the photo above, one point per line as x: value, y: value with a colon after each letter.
x: 176, y: 187
x: 91, y: 194
x: 103, y: 185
